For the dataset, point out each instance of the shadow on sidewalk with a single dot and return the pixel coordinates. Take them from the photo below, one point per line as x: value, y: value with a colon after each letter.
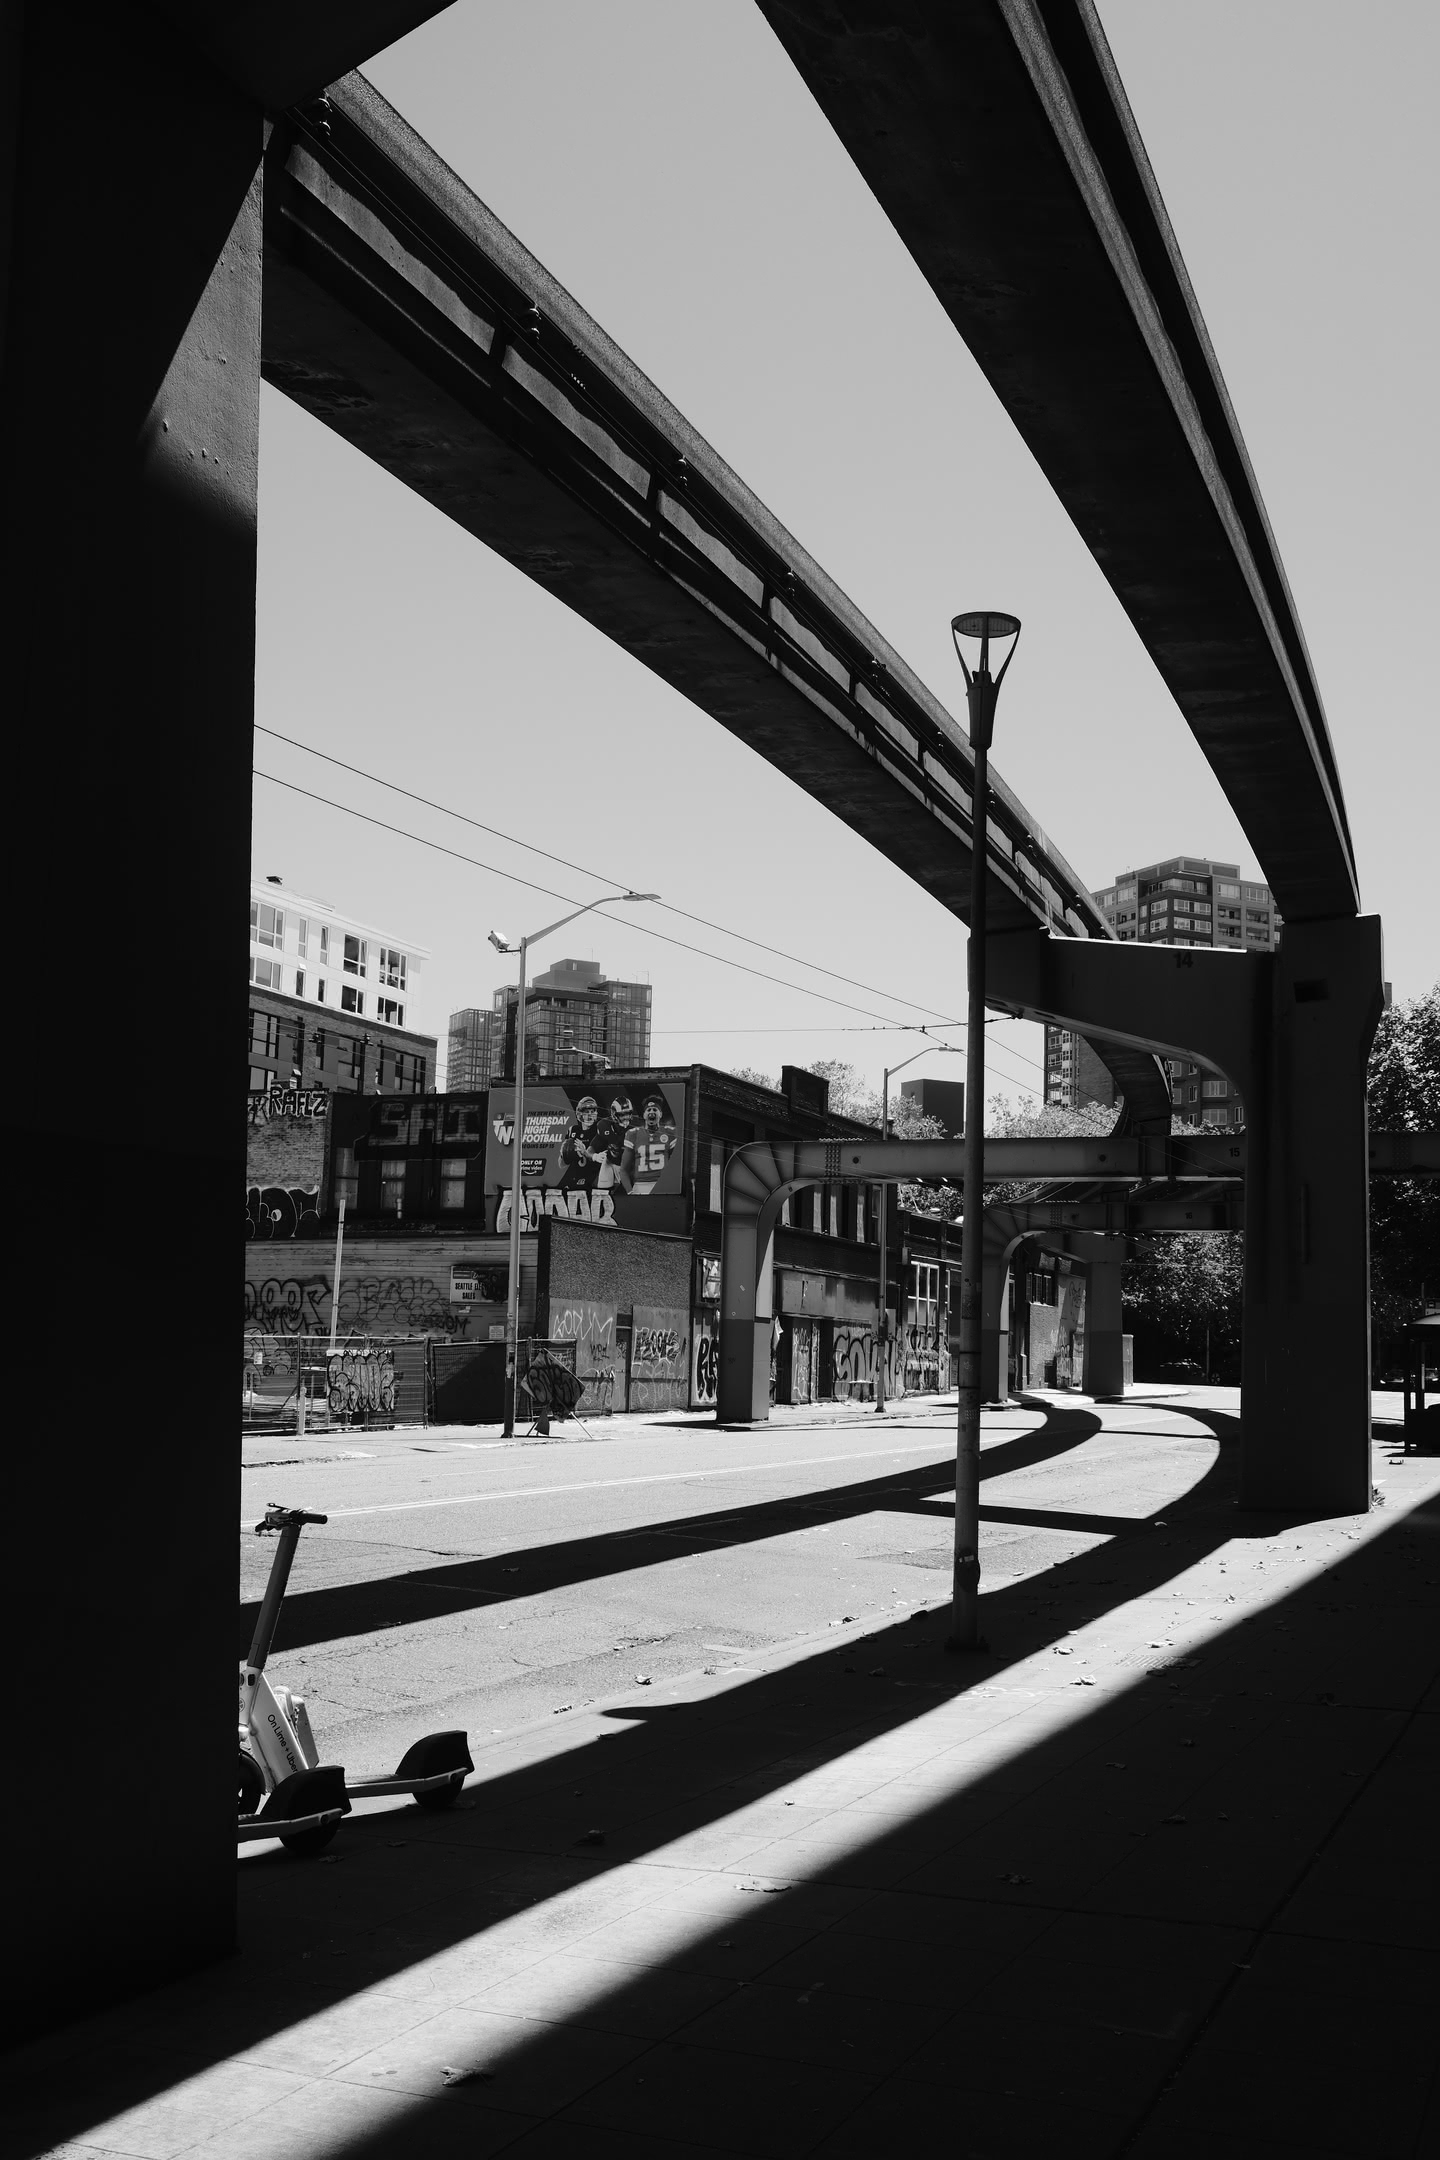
x: 1080, y: 1903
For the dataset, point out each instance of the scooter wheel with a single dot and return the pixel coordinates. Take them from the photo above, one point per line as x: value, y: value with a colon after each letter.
x: 252, y: 1784
x: 439, y: 1796
x: 306, y: 1843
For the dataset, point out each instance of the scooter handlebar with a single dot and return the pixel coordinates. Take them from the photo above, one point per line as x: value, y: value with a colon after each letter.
x: 283, y: 1518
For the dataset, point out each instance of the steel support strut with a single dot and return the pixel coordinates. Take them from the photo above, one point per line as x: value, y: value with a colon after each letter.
x: 1292, y: 1029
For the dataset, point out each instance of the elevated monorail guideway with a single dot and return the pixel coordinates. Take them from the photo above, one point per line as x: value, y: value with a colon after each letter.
x: 997, y: 137
x: 404, y: 315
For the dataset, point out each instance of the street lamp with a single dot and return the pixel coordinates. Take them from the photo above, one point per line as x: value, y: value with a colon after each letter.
x: 503, y: 944
x: 982, y: 691
x: 948, y: 1048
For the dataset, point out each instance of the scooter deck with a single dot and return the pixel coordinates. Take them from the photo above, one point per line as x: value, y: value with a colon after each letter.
x: 375, y: 1788
x: 256, y: 1826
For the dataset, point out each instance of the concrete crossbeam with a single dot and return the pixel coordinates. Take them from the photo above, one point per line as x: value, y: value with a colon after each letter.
x: 1292, y: 1029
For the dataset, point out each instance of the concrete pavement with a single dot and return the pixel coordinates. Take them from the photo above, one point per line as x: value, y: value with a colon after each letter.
x: 1153, y: 1877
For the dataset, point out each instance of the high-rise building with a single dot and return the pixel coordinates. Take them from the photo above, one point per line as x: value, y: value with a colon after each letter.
x: 576, y: 1021
x: 1187, y: 900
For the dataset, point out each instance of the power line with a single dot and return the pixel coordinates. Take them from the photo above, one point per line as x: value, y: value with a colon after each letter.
x: 498, y: 832
x: 437, y: 847
x: 720, y: 960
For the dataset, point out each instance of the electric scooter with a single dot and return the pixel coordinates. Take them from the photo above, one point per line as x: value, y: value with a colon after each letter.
x: 285, y: 1791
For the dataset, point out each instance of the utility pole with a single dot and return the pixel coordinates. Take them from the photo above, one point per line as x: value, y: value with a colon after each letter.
x: 982, y: 692
x: 503, y: 944
x: 335, y: 1292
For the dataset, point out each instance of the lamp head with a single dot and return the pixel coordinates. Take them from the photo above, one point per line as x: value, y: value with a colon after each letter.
x: 501, y: 943
x: 981, y: 688
x: 640, y: 896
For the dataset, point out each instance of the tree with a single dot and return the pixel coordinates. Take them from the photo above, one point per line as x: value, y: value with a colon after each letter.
x: 1403, y: 1092
x: 755, y: 1079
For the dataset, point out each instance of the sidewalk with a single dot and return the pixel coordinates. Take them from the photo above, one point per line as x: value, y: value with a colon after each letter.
x: 1154, y: 1877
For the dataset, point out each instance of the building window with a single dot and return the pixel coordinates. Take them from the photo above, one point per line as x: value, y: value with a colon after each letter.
x: 1220, y: 1116
x: 391, y: 968
x: 264, y: 1035
x: 302, y: 937
x: 351, y: 1000
x: 318, y: 1047
x: 452, y: 1181
x: 925, y: 1294
x: 354, y: 955
x: 324, y: 946
x: 320, y: 991
x: 717, y: 1182
x: 265, y: 974
x: 391, y: 1011
x: 267, y: 925
x: 299, y: 982
x: 1215, y: 1087
x: 260, y: 1079
x: 358, y: 1047
x: 1228, y: 892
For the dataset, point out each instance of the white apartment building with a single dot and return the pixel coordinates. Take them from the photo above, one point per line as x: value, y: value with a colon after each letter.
x: 301, y: 947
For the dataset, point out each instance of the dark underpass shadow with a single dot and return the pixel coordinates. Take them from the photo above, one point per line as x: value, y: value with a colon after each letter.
x: 691, y: 1766
x: 417, y: 1594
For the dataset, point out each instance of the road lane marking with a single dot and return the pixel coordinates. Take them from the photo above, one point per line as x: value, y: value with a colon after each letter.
x: 659, y: 1477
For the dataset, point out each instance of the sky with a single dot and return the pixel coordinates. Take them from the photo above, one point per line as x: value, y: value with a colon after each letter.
x: 670, y: 168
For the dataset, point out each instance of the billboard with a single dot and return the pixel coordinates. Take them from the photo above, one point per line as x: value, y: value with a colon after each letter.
x: 601, y: 1151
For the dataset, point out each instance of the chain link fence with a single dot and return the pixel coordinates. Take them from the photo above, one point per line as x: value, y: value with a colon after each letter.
x: 295, y: 1383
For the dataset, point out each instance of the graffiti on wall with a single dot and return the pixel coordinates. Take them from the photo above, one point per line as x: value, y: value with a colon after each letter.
x: 276, y: 1102
x: 917, y: 1361
x: 705, y: 1363
x: 660, y: 1359
x: 593, y: 1329
x: 369, y: 1305
x: 361, y: 1381
x: 288, y: 1305
x: 282, y: 1211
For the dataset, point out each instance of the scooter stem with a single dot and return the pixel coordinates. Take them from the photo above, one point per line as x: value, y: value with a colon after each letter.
x: 289, y: 1523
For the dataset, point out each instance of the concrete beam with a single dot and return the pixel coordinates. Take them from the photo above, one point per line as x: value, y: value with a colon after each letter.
x: 996, y: 136
x: 278, y: 53
x: 402, y: 314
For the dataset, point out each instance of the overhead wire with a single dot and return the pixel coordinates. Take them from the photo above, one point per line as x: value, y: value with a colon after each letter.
x: 888, y: 1024
x: 498, y: 832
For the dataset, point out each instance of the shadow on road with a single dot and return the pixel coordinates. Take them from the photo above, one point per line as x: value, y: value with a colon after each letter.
x: 418, y: 1594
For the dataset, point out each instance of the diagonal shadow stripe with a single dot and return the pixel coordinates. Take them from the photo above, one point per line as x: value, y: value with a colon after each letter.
x: 750, y: 1742
x: 391, y: 1601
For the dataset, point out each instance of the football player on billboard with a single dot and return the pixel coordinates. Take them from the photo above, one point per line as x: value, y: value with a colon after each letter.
x: 648, y: 1146
x: 584, y: 1150
x: 610, y: 1139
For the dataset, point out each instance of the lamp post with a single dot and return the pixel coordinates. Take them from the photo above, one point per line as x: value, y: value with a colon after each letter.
x: 512, y: 1302
x: 950, y: 1049
x: 982, y: 690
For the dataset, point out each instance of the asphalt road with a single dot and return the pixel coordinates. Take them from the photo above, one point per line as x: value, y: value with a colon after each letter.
x: 492, y: 1585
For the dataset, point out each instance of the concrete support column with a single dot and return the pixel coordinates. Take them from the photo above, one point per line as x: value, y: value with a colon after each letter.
x: 1104, y: 1364
x: 1293, y: 1030
x: 128, y: 488
x: 994, y: 1325
x: 1305, y: 1359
